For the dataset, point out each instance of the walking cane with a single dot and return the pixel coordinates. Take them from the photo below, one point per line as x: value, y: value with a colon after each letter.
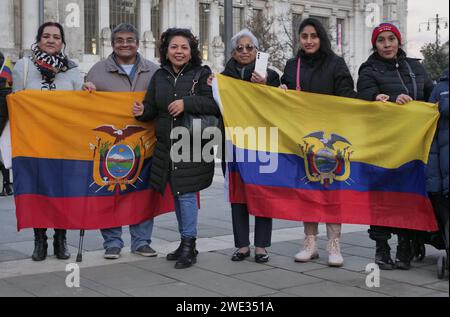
x: 80, y: 247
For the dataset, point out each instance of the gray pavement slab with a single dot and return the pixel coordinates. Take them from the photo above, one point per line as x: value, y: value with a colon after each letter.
x: 50, y: 285
x: 124, y: 277
x: 227, y: 286
x: 330, y: 289
x: 222, y: 264
x: 277, y: 278
x: 178, y: 289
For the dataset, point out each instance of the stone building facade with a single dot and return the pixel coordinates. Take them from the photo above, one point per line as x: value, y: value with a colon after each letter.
x: 88, y: 24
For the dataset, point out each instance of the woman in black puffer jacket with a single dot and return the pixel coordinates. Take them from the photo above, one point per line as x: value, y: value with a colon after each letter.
x: 317, y: 69
x: 179, y: 87
x: 242, y: 66
x: 388, y: 75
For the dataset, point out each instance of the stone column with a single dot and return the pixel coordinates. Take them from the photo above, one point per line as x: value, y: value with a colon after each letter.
x: 7, y: 24
x: 214, y: 30
x: 147, y: 46
x: 218, y: 54
x: 248, y: 11
x: 333, y: 30
x: 30, y: 20
x: 51, y: 10
x: 105, y: 48
x: 180, y: 13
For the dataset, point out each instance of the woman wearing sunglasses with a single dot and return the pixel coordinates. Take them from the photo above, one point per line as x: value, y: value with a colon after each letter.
x: 242, y: 66
x: 317, y: 69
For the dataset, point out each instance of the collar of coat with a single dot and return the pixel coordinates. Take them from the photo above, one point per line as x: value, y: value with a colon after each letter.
x: 381, y: 64
x: 186, y: 68
x: 112, y: 66
x: 236, y: 70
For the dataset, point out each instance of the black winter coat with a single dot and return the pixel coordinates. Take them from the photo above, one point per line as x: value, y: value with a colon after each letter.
x: 392, y: 77
x: 166, y: 87
x: 320, y: 74
x: 235, y: 70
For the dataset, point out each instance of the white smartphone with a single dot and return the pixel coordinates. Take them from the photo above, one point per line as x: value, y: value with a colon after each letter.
x: 262, y: 59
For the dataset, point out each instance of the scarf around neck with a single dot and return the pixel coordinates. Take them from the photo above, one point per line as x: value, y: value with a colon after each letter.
x: 48, y: 65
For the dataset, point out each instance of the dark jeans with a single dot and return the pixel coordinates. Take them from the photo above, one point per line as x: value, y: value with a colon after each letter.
x: 379, y: 233
x: 241, y: 228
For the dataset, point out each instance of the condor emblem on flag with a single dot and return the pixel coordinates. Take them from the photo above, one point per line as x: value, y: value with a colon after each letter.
x: 81, y: 161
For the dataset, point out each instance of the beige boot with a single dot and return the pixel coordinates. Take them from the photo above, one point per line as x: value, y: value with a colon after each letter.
x: 309, y: 251
x: 334, y: 258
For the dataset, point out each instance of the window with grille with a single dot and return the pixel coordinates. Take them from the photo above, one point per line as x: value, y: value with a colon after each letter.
x: 156, y: 24
x: 204, y: 30
x: 123, y: 11
x: 91, y: 36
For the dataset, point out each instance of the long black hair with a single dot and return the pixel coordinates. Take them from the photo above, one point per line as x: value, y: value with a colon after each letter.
x: 46, y: 24
x: 166, y: 37
x: 325, y: 44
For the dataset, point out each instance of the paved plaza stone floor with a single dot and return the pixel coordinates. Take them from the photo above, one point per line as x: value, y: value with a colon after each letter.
x: 215, y: 275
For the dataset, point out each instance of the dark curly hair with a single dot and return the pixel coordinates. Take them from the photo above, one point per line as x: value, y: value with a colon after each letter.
x: 166, y: 37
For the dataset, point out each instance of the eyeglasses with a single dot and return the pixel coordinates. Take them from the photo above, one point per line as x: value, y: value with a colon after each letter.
x: 125, y: 41
x: 248, y: 48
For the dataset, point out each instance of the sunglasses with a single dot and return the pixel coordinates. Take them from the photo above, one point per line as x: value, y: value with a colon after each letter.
x: 248, y: 48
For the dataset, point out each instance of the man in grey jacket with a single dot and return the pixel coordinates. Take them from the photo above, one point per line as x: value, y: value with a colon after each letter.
x: 124, y: 70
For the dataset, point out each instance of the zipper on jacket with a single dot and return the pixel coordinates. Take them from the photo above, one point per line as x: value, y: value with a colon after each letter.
x: 172, y: 120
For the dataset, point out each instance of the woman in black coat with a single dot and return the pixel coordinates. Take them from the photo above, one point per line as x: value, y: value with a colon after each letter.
x: 388, y: 75
x: 178, y: 88
x: 317, y: 69
x: 4, y: 91
x: 242, y: 66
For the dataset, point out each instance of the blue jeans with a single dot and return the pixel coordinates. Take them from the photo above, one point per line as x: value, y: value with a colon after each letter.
x: 186, y: 210
x: 140, y: 235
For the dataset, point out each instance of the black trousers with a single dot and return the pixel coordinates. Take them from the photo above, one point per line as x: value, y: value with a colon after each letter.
x: 241, y: 228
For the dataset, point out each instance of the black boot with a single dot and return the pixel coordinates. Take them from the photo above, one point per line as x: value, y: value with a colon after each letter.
x: 187, y: 255
x: 7, y: 190
x: 173, y: 256
x: 404, y: 254
x: 383, y: 255
x: 40, y: 245
x: 60, y: 245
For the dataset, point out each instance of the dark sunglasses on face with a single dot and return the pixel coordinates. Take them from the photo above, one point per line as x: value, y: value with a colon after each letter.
x: 248, y: 48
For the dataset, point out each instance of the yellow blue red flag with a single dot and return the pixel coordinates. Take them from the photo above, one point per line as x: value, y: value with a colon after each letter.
x: 6, y: 71
x: 318, y: 158
x: 81, y: 161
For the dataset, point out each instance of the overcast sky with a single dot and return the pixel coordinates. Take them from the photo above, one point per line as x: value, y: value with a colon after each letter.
x: 420, y: 11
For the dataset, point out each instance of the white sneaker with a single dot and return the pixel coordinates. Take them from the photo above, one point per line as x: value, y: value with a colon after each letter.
x: 335, y: 258
x: 309, y: 251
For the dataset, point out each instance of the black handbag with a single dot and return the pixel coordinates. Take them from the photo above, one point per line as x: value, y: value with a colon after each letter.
x: 206, y: 120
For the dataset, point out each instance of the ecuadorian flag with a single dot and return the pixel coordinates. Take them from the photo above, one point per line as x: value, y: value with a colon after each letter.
x: 6, y: 71
x: 317, y: 158
x: 81, y: 161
